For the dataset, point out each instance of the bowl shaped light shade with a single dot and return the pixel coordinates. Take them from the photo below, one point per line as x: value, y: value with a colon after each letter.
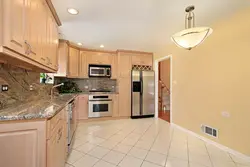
x: 191, y: 37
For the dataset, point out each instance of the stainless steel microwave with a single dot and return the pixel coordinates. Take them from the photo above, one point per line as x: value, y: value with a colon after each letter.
x: 99, y: 70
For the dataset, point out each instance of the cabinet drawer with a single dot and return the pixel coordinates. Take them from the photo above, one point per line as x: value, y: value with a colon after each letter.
x: 52, y: 123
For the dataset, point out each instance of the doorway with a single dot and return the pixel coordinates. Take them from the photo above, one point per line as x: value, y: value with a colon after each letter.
x: 163, y: 88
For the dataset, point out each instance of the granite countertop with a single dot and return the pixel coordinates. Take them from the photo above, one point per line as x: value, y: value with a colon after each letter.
x: 90, y: 93
x: 42, y: 109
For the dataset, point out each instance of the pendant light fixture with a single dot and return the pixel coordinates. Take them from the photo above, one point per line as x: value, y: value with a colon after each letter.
x: 191, y: 36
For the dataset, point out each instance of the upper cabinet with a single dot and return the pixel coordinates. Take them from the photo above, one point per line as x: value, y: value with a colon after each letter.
x: 83, y: 69
x: 124, y: 65
x: 142, y: 59
x: 73, y: 64
x: 28, y: 34
x: 63, y: 56
x: 99, y: 58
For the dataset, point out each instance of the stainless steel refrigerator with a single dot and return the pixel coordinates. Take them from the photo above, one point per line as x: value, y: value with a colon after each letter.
x: 143, y: 94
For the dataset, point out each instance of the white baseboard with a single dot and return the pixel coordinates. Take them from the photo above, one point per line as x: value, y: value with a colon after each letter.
x: 220, y: 146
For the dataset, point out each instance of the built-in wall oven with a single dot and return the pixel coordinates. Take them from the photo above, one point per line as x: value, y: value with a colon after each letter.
x: 100, y: 106
x: 99, y: 70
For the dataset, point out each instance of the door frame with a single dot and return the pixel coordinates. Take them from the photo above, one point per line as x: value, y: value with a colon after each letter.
x: 156, y: 66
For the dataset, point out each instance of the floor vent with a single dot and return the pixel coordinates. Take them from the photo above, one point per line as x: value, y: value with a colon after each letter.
x: 209, y: 131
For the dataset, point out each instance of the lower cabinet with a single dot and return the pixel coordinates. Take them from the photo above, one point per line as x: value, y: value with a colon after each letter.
x: 124, y: 97
x: 57, y: 141
x: 23, y: 144
x: 115, y: 110
x: 82, y: 107
x: 56, y: 147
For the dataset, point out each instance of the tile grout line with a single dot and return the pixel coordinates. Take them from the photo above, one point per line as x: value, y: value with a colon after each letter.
x: 169, y: 146
x: 209, y: 155
x: 155, y: 152
x: 115, y: 146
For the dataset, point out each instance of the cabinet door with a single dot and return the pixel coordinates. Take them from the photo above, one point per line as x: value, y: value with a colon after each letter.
x: 142, y: 59
x: 73, y: 66
x: 82, y: 107
x: 32, y: 28
x: 56, y: 147
x: 114, y: 67
x: 115, y: 106
x: 54, y: 54
x: 63, y: 55
x: 23, y: 144
x: 83, y: 69
x: 99, y: 58
x: 14, y: 25
x: 49, y: 42
x: 124, y: 65
x: 124, y: 97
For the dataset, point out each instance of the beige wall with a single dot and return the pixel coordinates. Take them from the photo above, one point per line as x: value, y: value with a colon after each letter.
x: 215, y: 77
x: 165, y: 72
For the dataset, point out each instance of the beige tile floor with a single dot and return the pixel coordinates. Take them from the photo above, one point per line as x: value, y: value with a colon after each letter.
x: 143, y: 143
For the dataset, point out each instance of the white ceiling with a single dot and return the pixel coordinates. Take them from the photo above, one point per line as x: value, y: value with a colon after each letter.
x: 145, y: 25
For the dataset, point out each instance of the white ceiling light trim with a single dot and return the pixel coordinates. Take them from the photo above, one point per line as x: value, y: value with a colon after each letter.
x: 73, y: 11
x: 101, y: 46
x: 192, y: 36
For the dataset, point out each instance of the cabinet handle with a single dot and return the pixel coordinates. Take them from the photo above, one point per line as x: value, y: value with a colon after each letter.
x: 59, y: 135
x: 43, y: 59
x: 28, y: 51
x: 17, y: 43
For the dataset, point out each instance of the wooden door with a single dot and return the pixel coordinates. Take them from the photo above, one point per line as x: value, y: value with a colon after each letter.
x: 125, y: 97
x: 124, y: 65
x: 49, y: 42
x: 56, y: 147
x: 115, y: 105
x: 33, y: 28
x: 114, y: 67
x: 14, y: 25
x: 82, y: 107
x: 73, y: 66
x: 63, y: 56
x: 23, y: 144
x: 99, y: 58
x: 55, y: 41
x: 142, y: 59
x: 43, y: 32
x: 83, y: 67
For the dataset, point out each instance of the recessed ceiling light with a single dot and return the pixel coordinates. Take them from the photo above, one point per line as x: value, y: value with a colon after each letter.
x: 79, y: 43
x: 73, y: 11
x: 101, y: 46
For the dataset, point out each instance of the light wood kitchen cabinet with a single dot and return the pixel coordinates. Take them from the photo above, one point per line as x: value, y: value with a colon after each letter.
x: 82, y: 107
x: 28, y: 38
x: 23, y: 144
x: 63, y: 58
x: 56, y: 147
x: 125, y: 97
x: 124, y: 65
x: 115, y: 110
x: 57, y: 141
x: 83, y: 67
x: 73, y: 64
x: 99, y: 58
x: 114, y: 67
x: 142, y: 59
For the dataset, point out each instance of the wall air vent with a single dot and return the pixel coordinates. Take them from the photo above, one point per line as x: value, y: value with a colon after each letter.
x: 209, y: 131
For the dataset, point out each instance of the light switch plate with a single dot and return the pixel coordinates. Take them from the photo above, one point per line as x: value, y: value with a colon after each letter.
x: 5, y: 88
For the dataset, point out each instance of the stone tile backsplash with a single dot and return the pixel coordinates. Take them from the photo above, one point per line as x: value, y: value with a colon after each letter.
x: 88, y: 84
x: 19, y: 81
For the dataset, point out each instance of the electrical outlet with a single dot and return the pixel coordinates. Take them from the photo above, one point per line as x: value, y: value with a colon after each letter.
x: 5, y: 88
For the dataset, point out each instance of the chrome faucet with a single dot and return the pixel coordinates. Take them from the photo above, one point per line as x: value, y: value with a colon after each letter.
x: 51, y: 92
